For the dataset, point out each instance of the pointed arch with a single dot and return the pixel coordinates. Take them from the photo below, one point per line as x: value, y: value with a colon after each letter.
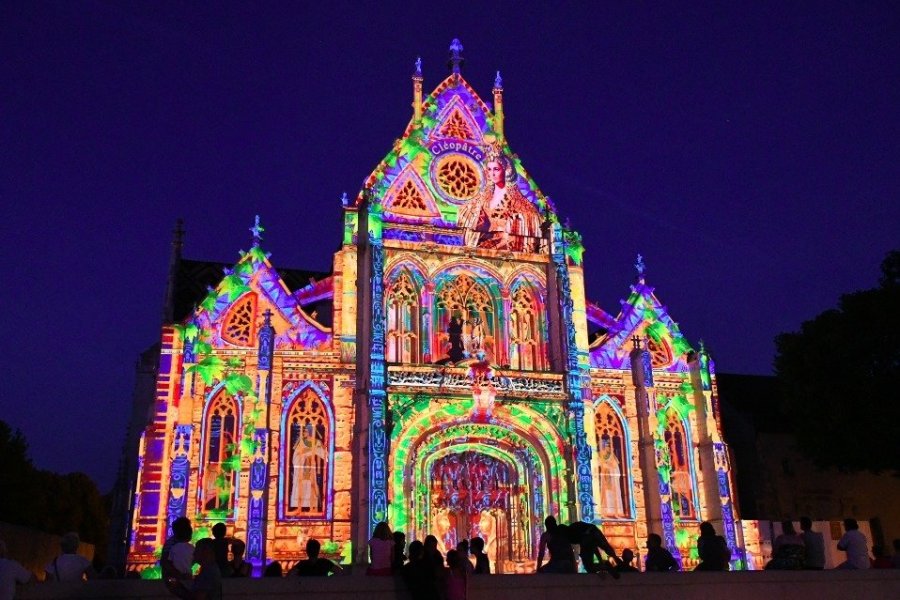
x: 239, y: 323
x: 408, y: 196
x: 613, y: 443
x: 218, y: 475
x: 527, y: 328
x: 307, y: 453
x: 402, y: 299
x: 456, y: 122
x: 465, y: 305
x: 681, y: 471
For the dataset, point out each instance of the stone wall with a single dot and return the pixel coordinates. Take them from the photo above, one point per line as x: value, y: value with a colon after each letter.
x: 824, y: 585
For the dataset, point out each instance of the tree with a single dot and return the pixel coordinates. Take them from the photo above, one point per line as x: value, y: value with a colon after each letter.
x: 840, y: 375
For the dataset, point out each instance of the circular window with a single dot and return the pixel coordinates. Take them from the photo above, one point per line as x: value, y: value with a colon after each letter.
x: 458, y: 177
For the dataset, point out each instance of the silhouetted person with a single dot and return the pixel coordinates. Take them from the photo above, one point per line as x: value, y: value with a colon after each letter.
x: 11, y: 573
x: 881, y: 560
x: 433, y: 556
x: 463, y: 548
x: 625, y: 566
x: 659, y: 559
x: 456, y: 578
x: 788, y: 549
x: 220, y: 547
x: 399, y: 556
x: 713, y: 550
x: 238, y: 567
x: 562, y: 557
x: 482, y: 562
x: 419, y: 575
x: 381, y: 550
x: 549, y: 526
x: 854, y: 543
x: 314, y: 565
x: 590, y: 542
x: 273, y: 569
x: 207, y: 585
x: 177, y: 557
x: 70, y: 566
x: 815, y: 545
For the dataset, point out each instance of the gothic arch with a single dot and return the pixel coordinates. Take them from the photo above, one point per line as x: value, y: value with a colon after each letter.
x: 470, y: 305
x: 526, y: 327
x: 403, y: 312
x: 682, y: 481
x: 305, y: 483
x: 220, y: 437
x: 239, y: 322
x: 616, y: 484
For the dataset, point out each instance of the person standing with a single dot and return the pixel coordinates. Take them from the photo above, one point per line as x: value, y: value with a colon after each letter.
x: 11, y: 573
x: 220, y: 548
x: 815, y: 546
x: 854, y: 543
x: 482, y: 562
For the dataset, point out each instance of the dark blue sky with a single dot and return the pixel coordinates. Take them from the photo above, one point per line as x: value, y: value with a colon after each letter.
x: 749, y: 152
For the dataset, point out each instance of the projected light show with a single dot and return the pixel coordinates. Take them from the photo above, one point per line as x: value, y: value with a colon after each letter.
x: 448, y: 376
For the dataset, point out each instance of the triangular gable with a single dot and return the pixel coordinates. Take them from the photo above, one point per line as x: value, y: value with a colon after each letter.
x: 644, y: 315
x: 408, y: 196
x: 455, y: 121
x: 231, y: 313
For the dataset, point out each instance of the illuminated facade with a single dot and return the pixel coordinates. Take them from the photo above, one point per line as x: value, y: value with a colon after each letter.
x: 455, y: 390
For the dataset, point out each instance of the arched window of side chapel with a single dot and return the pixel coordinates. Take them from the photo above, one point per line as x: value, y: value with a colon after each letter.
x: 307, y: 439
x: 220, y: 436
x: 681, y: 481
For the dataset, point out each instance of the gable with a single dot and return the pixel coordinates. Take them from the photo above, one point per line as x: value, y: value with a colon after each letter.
x: 409, y: 197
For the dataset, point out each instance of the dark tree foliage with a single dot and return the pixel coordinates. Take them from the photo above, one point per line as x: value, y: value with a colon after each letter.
x: 47, y: 501
x: 840, y: 375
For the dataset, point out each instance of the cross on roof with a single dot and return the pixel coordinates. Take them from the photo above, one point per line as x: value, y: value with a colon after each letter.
x: 257, y: 230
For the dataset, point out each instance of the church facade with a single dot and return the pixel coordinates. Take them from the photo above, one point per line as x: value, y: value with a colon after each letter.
x: 441, y: 378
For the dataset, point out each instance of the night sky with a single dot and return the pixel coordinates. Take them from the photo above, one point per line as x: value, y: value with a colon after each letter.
x: 750, y: 153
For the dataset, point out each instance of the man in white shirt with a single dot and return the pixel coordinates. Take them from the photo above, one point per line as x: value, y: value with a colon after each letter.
x: 69, y: 566
x: 11, y: 573
x: 815, y: 546
x: 854, y: 543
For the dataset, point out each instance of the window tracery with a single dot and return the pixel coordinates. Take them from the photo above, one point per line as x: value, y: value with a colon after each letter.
x: 456, y: 126
x: 682, y: 486
x: 465, y: 306
x: 458, y: 177
x: 217, y: 492
x: 306, y: 457
x: 612, y: 456
x: 403, y: 320
x: 659, y: 353
x: 240, y: 322
x: 409, y: 200
x: 526, y: 350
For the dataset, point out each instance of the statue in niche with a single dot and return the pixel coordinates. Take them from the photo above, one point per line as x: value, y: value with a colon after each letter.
x: 454, y: 332
x: 487, y: 530
x: 483, y: 389
x: 611, y: 502
x: 444, y: 532
x: 500, y: 217
x: 474, y: 337
x: 305, y: 488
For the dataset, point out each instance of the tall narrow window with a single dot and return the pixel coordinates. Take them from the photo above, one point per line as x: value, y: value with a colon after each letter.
x: 465, y: 319
x: 403, y: 320
x: 306, y: 454
x: 682, y: 486
x: 526, y: 348
x: 612, y: 456
x: 219, y: 475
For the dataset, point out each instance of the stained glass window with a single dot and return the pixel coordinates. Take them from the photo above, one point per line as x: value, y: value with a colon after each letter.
x: 306, y: 465
x: 612, y: 457
x: 526, y: 348
x: 682, y: 486
x: 464, y: 305
x: 239, y: 326
x: 458, y: 177
x: 218, y: 473
x: 402, y: 320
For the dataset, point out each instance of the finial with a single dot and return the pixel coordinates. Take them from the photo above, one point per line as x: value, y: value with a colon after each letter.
x: 345, y: 201
x: 267, y: 318
x: 498, y: 82
x: 456, y: 60
x: 640, y: 267
x: 702, y: 347
x: 418, y: 72
x: 257, y: 230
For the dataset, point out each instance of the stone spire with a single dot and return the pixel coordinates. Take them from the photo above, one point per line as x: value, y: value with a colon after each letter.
x: 168, y: 313
x: 456, y: 59
x: 498, y: 106
x: 417, y: 91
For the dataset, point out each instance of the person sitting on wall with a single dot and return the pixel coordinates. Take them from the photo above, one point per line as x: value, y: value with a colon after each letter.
x: 626, y: 566
x: 70, y: 566
x: 854, y: 543
x: 238, y: 567
x: 713, y: 549
x: 815, y: 546
x: 562, y: 557
x: 659, y: 559
x: 207, y: 585
x: 314, y: 566
x: 419, y: 574
x: 381, y: 550
x: 591, y: 541
x: 788, y: 549
x: 177, y: 557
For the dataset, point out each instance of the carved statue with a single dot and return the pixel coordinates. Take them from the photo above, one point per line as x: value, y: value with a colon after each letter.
x: 305, y: 489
